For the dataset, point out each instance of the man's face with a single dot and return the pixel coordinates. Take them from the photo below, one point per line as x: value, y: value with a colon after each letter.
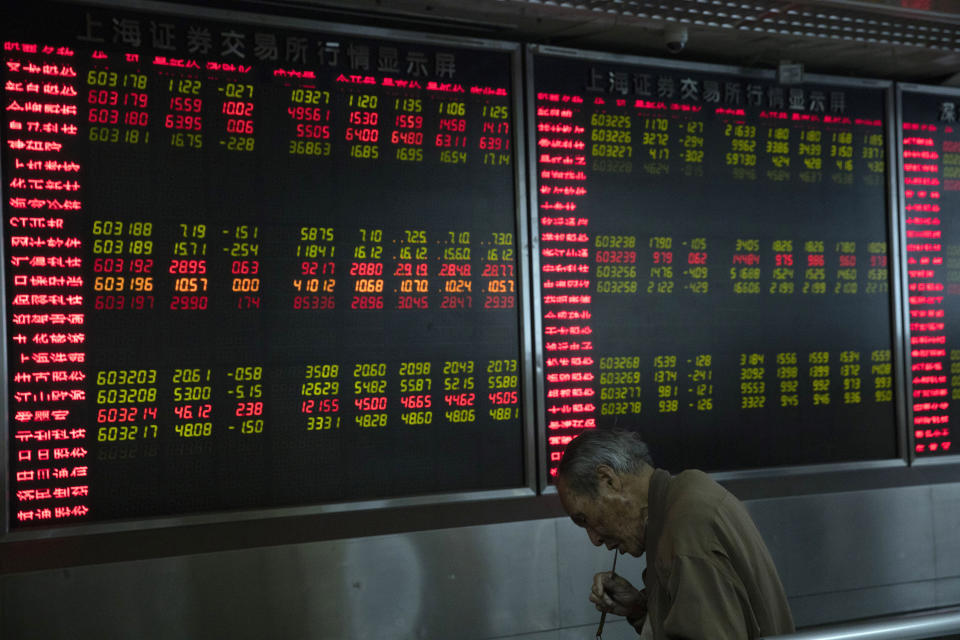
x: 615, y: 517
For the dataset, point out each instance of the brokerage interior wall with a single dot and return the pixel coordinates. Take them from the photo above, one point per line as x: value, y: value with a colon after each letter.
x: 842, y: 556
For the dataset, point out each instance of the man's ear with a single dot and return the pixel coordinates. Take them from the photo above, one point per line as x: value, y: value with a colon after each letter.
x: 608, y: 478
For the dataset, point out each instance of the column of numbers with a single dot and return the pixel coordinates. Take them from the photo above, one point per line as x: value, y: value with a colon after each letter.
x: 498, y: 275
x: 666, y: 380
x: 367, y: 270
x: 655, y: 139
x: 370, y: 394
x: 184, y: 114
x: 846, y: 282
x: 192, y: 395
x: 783, y: 268
x: 616, y: 269
x: 309, y: 113
x: 697, y: 270
x: 123, y: 265
x: 459, y: 391
x: 503, y: 389
x: 247, y: 396
x: 319, y: 396
x: 451, y: 136
x: 877, y: 270
x: 788, y: 379
x: 362, y: 133
x: 815, y: 273
x: 741, y: 156
x: 753, y: 386
x: 850, y: 377
x: 810, y: 152
x: 411, y: 270
x: 237, y: 109
x: 701, y: 379
x: 416, y: 393
x: 881, y: 370
x: 117, y: 104
x: 692, y: 140
x: 620, y: 386
x: 494, y: 140
x: 872, y: 153
x: 244, y: 252
x: 611, y: 137
x: 455, y: 274
x: 777, y: 147
x: 188, y: 269
x: 819, y: 371
x: 745, y: 266
x: 315, y: 282
x: 660, y: 277
x: 407, y: 133
x: 126, y: 405
x: 840, y: 144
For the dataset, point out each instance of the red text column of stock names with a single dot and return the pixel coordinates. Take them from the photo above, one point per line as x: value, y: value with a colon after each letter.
x: 564, y: 272
x: 47, y: 333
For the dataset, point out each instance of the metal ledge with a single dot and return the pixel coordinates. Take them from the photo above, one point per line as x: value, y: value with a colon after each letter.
x: 939, y: 623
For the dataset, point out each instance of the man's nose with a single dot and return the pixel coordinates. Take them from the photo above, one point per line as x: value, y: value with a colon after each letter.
x: 595, y: 537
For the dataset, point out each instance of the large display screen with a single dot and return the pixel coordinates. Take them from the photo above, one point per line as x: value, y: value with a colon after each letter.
x: 250, y: 265
x: 930, y: 140
x: 714, y: 268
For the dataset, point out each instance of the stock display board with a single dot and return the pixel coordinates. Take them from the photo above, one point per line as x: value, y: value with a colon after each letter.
x: 713, y: 262
x: 930, y: 142
x: 252, y: 264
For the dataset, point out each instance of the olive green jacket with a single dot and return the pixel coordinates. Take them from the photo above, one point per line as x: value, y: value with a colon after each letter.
x: 709, y: 575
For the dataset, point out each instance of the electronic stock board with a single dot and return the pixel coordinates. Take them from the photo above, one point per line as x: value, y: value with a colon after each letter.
x: 281, y: 263
x: 714, y: 261
x: 930, y: 174
x: 255, y: 264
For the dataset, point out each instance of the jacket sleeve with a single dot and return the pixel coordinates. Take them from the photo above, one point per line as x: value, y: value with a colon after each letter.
x: 706, y: 603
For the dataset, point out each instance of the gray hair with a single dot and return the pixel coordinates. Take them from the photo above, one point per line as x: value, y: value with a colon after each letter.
x: 623, y: 451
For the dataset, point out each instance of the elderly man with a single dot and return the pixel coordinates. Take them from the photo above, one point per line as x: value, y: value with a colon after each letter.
x: 709, y: 574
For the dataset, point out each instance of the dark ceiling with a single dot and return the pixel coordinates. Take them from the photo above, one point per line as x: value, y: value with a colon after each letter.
x: 907, y: 40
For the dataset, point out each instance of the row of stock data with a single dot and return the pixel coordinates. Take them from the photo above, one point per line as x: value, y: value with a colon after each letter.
x: 251, y: 399
x: 358, y: 118
x: 631, y: 264
x: 631, y: 385
x: 138, y: 265
x: 662, y: 142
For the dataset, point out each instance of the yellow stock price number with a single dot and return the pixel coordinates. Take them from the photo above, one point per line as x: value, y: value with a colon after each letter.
x: 323, y: 423
x: 194, y: 429
x: 322, y: 371
x: 417, y: 417
x: 504, y: 413
x: 191, y: 394
x: 121, y: 433
x: 122, y: 377
x: 309, y: 148
x: 608, y: 120
x: 130, y: 395
x: 371, y: 420
x: 240, y: 143
x: 320, y: 388
x: 460, y: 415
x: 310, y: 96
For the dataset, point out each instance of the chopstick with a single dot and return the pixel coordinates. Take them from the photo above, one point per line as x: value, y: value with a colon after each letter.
x: 603, y: 616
